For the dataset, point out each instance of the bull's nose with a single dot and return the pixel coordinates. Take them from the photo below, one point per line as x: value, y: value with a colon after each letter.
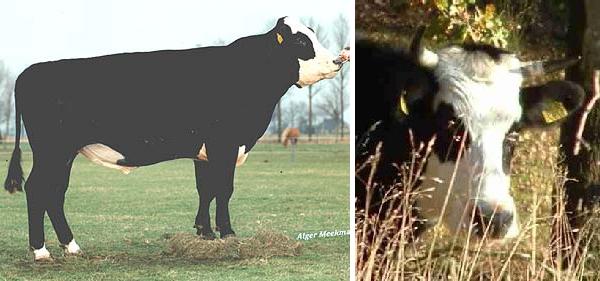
x: 491, y: 218
x: 343, y: 57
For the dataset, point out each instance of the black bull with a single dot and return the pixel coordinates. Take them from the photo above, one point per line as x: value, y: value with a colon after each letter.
x: 150, y: 107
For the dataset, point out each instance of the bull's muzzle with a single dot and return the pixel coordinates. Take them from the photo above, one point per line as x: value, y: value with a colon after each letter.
x: 343, y: 57
x: 491, y: 220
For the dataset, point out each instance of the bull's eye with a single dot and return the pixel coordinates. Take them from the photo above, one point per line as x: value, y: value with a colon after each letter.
x: 300, y: 41
x: 451, y: 123
x: 508, y: 147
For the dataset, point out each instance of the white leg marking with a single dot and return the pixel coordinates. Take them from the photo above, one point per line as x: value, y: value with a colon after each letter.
x: 42, y: 254
x: 72, y: 248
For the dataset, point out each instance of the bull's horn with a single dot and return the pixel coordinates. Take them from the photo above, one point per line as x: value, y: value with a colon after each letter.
x: 425, y: 57
x: 539, y: 68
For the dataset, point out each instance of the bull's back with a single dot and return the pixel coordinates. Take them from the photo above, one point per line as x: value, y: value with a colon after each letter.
x: 119, y: 99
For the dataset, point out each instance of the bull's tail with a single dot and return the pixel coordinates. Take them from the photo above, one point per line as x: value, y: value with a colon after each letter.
x: 14, y: 178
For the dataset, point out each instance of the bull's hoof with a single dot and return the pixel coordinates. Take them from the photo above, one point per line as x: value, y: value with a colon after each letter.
x: 71, y: 249
x: 227, y: 234
x: 44, y: 260
x: 42, y: 255
x: 205, y: 233
x: 230, y: 235
x: 78, y: 253
x: 209, y: 235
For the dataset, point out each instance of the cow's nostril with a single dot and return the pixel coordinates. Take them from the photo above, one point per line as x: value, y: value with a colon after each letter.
x: 491, y: 219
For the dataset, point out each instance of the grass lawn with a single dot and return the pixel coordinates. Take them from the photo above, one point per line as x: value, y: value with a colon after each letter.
x: 120, y: 220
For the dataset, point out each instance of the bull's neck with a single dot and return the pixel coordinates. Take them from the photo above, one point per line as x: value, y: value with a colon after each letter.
x: 280, y: 69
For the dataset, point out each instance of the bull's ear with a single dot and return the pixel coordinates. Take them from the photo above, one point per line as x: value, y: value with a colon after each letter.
x: 281, y: 32
x: 280, y: 21
x: 411, y: 98
x: 550, y: 103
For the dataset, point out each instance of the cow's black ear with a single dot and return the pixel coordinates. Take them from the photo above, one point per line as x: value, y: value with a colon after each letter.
x: 549, y: 104
x: 281, y: 32
x: 411, y: 98
x: 280, y: 21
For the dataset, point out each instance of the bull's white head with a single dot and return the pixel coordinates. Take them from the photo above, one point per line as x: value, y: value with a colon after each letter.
x: 316, y: 62
x: 479, y: 102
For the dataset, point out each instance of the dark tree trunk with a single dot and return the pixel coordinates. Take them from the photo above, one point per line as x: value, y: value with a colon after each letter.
x: 279, y: 121
x: 310, y: 126
x: 341, y: 105
x: 582, y: 168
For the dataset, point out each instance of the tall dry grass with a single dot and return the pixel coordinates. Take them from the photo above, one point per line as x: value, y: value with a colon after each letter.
x: 387, y: 248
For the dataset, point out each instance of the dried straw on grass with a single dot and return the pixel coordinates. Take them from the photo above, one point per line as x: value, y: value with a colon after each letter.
x: 264, y: 244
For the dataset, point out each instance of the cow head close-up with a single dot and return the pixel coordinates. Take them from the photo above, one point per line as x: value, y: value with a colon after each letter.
x: 469, y: 99
x: 315, y: 61
x: 479, y: 105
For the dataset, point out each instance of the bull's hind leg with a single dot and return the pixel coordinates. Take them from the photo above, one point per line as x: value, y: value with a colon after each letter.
x: 36, y: 208
x: 56, y: 211
x: 45, y: 189
x: 206, y: 195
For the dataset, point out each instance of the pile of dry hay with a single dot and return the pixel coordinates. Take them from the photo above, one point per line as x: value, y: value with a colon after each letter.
x: 264, y: 244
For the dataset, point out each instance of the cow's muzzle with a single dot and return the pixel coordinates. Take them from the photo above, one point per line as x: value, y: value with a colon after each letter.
x: 491, y: 221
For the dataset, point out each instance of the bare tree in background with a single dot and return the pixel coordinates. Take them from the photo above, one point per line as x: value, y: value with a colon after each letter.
x: 331, y: 106
x: 7, y: 106
x: 313, y: 90
x: 582, y: 189
x: 293, y: 112
x: 340, y: 38
x: 278, y: 112
x: 6, y: 95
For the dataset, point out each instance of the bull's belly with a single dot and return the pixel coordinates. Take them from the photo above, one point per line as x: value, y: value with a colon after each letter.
x: 108, y: 157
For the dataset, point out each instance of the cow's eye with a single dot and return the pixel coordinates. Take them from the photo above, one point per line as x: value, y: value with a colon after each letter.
x: 311, y: 29
x: 300, y: 41
x: 508, y: 148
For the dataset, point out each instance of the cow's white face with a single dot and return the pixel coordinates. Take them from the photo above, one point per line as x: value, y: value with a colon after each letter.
x: 322, y: 65
x: 483, y: 93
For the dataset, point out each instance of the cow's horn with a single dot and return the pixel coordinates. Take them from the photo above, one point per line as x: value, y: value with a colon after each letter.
x: 425, y: 57
x: 539, y: 68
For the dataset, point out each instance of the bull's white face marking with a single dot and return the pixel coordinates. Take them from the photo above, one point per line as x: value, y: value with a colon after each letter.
x: 72, y: 248
x: 485, y: 96
x: 41, y: 254
x: 321, y: 66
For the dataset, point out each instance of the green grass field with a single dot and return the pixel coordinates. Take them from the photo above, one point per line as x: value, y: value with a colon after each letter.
x: 120, y: 220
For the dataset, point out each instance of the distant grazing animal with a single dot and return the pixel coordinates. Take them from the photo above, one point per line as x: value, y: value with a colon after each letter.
x: 137, y: 109
x: 462, y: 95
x: 290, y: 135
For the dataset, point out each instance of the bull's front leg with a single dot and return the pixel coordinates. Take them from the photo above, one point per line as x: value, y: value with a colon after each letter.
x: 222, y: 159
x: 214, y: 179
